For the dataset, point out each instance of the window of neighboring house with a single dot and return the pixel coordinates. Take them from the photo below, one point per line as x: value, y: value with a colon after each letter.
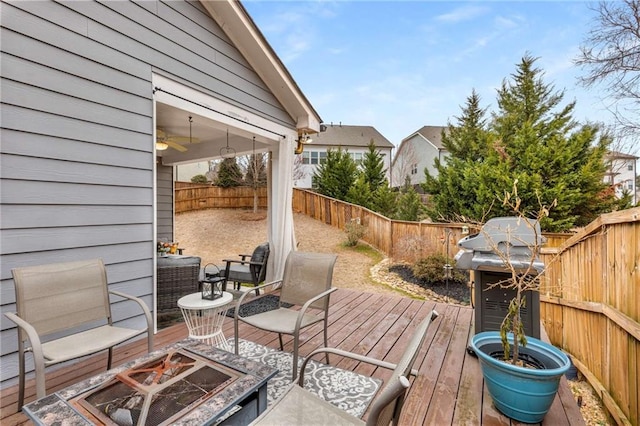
x: 630, y: 166
x: 357, y: 157
x: 314, y: 157
x: 630, y: 185
x: 414, y: 169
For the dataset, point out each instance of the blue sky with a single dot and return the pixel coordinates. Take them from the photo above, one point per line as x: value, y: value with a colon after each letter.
x: 400, y: 65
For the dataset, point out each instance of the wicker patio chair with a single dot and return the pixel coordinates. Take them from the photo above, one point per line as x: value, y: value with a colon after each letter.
x: 307, y: 283
x: 248, y: 269
x: 63, y: 310
x: 300, y: 407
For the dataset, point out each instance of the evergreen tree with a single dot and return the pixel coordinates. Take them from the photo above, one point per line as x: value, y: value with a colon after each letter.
x: 359, y: 193
x: 372, y: 167
x: 335, y: 176
x: 410, y: 206
x: 384, y: 201
x: 229, y: 173
x: 532, y: 140
x: 458, y: 176
x: 468, y: 139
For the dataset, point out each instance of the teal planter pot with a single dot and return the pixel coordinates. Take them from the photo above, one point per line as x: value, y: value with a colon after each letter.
x: 523, y: 394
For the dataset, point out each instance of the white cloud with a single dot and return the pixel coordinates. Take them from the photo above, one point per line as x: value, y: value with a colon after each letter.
x: 507, y: 23
x: 461, y: 14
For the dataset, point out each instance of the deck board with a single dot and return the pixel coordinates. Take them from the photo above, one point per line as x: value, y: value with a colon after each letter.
x: 448, y: 389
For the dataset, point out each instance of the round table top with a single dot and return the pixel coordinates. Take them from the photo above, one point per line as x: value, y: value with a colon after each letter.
x: 195, y: 301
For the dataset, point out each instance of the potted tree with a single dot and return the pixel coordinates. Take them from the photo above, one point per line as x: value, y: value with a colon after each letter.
x: 522, y: 373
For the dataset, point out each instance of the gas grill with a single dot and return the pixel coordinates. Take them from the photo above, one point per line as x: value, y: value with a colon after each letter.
x: 485, y: 254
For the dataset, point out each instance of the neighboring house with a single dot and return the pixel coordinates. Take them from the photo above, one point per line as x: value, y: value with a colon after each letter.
x: 353, y: 139
x: 184, y: 172
x: 86, y: 88
x: 621, y: 173
x: 417, y: 152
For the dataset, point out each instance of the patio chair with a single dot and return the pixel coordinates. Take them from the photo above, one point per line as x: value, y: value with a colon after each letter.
x: 63, y: 310
x: 300, y: 407
x: 307, y: 283
x: 249, y: 268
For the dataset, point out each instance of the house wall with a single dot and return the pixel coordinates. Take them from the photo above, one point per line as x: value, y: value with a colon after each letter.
x: 164, y: 202
x: 414, y: 155
x: 184, y: 172
x: 303, y: 173
x: 622, y: 173
x: 77, y: 158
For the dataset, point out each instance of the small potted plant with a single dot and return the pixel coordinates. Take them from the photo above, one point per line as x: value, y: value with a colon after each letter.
x: 522, y: 373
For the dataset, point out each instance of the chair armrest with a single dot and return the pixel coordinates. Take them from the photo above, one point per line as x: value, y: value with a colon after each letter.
x: 357, y: 357
x: 241, y: 299
x: 346, y: 354
x: 36, y: 349
x: 308, y: 303
x: 32, y: 334
x: 243, y: 262
x: 146, y: 311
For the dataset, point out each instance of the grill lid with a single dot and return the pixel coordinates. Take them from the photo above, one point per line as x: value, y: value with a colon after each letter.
x: 513, y: 237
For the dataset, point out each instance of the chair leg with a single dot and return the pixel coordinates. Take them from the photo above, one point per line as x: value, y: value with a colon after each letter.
x: 281, y: 345
x: 294, y: 367
x: 236, y: 339
x: 21, y: 380
x: 326, y: 343
x: 109, y: 358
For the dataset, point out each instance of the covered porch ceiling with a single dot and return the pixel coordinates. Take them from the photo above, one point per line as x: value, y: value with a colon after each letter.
x: 208, y: 137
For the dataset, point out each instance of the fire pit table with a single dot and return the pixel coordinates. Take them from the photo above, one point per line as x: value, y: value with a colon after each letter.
x: 188, y: 382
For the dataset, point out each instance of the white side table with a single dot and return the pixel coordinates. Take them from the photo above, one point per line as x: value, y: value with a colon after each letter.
x: 204, y: 318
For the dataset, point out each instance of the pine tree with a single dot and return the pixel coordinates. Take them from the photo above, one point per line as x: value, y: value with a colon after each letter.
x: 335, y: 175
x: 458, y: 176
x: 359, y: 193
x: 372, y: 167
x: 410, y: 206
x: 229, y: 173
x: 468, y: 139
x: 532, y: 140
x: 384, y: 201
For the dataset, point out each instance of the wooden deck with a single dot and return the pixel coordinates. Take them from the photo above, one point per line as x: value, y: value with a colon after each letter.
x: 448, y: 389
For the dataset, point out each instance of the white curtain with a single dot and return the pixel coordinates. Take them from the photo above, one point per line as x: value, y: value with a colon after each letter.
x: 280, y: 211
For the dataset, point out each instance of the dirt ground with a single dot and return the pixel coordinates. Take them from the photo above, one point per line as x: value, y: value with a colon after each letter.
x: 217, y: 234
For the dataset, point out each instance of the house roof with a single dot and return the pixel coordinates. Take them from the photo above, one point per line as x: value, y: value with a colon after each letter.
x: 431, y: 133
x: 235, y: 21
x: 620, y: 155
x: 346, y: 136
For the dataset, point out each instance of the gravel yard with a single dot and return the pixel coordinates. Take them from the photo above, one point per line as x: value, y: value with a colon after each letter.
x: 218, y: 234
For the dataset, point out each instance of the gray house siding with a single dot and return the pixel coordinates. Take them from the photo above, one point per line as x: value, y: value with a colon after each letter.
x: 77, y: 151
x: 164, y: 222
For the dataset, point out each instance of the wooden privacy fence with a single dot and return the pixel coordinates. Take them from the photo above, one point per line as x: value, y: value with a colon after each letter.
x: 190, y: 196
x: 590, y: 306
x: 401, y: 240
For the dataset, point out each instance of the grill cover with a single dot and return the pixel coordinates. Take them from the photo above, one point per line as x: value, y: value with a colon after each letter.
x: 500, y: 237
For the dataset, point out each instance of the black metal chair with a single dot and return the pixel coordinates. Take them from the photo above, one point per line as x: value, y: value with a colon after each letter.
x: 250, y: 269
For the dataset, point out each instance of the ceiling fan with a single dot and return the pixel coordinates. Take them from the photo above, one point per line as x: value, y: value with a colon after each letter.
x: 165, y: 140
